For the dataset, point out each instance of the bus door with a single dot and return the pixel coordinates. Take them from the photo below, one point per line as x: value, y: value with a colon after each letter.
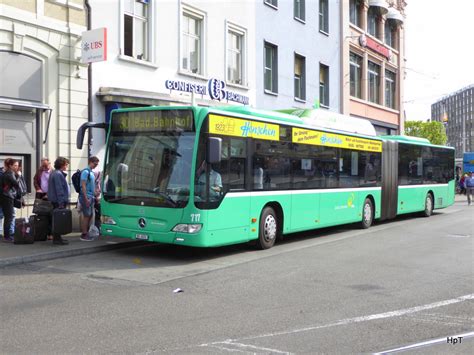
x: 228, y: 204
x: 389, y: 180
x: 308, y: 179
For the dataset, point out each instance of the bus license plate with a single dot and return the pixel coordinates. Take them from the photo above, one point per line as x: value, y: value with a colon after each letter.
x: 141, y: 236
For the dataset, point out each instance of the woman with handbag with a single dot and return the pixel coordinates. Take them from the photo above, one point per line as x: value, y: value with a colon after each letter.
x: 9, y: 196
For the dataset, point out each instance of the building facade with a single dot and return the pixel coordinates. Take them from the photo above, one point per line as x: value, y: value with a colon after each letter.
x: 298, y: 54
x: 373, y: 41
x: 43, y: 86
x: 456, y: 112
x: 173, y: 53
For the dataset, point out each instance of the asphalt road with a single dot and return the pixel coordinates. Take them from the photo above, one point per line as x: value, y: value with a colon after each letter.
x: 403, y: 284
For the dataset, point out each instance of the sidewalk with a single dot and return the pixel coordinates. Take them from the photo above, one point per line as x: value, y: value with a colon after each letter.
x: 12, y: 254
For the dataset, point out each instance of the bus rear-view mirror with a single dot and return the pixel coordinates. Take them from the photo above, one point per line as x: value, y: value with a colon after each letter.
x: 214, y: 150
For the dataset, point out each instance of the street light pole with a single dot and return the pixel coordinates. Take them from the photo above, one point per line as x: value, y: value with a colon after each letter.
x: 463, y: 135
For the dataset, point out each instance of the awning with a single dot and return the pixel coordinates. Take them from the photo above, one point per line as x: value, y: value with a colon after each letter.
x: 381, y: 4
x: 23, y: 103
x: 395, y: 15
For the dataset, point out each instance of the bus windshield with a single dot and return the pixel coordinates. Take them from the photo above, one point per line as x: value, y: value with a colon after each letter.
x: 149, y: 158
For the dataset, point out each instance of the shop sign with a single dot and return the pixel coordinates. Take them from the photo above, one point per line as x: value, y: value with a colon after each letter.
x: 370, y: 43
x: 94, y: 45
x: 215, y: 88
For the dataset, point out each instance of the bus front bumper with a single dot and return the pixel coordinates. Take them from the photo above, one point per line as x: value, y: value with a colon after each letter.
x: 170, y: 237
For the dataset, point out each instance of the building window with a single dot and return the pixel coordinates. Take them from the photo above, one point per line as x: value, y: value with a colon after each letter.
x: 324, y: 16
x: 273, y: 3
x: 271, y: 68
x: 324, y: 85
x: 299, y: 9
x: 390, y: 86
x: 391, y: 33
x: 135, y: 39
x: 374, y: 82
x: 355, y: 75
x: 191, y: 51
x: 300, y: 77
x: 373, y: 19
x: 235, y: 56
x: 354, y: 12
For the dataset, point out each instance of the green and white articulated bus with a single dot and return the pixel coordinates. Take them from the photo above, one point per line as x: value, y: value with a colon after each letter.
x: 206, y: 177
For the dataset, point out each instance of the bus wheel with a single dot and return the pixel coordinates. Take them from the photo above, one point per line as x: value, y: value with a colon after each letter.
x: 268, y: 229
x: 428, y: 205
x: 367, y: 214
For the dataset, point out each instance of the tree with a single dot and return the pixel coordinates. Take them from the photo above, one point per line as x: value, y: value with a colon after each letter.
x: 433, y: 131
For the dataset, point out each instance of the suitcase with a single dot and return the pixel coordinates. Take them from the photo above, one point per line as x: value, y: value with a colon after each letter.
x: 40, y: 227
x: 23, y: 233
x: 62, y: 221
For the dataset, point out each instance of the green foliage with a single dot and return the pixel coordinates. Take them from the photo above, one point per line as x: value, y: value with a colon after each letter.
x: 433, y: 131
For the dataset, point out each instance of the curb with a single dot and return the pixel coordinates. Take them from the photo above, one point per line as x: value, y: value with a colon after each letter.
x: 17, y: 260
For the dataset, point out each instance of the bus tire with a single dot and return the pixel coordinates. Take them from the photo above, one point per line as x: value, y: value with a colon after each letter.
x: 367, y: 214
x: 268, y: 229
x: 429, y: 206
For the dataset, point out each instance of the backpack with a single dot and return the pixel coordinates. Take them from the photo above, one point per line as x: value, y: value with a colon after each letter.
x: 76, y: 179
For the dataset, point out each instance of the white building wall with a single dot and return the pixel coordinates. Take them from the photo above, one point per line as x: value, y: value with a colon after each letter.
x: 57, y: 45
x: 124, y: 72
x: 279, y: 27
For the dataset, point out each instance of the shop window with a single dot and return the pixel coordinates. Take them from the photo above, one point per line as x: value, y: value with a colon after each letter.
x: 391, y: 30
x: 235, y: 56
x: 355, y: 12
x: 390, y: 88
x: 271, y: 68
x: 192, y: 38
x: 273, y: 3
x: 324, y: 85
x: 300, y: 77
x: 324, y: 16
x: 299, y: 9
x: 355, y: 75
x: 136, y: 19
x: 374, y: 82
x: 373, y: 22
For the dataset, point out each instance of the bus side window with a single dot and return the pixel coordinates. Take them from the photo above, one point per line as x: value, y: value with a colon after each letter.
x: 258, y: 173
x: 237, y: 163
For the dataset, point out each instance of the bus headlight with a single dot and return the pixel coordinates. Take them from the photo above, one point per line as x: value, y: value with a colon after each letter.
x: 187, y: 228
x: 107, y: 220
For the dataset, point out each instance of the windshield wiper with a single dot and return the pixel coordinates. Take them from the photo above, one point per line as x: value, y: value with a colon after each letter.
x: 117, y: 199
x: 167, y: 198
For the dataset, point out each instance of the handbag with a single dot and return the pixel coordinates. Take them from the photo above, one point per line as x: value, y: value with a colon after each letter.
x: 17, y: 203
x: 42, y: 207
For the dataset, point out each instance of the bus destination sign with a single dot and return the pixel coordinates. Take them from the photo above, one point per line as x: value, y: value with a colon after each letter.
x: 152, y: 120
x: 236, y: 127
x: 306, y: 136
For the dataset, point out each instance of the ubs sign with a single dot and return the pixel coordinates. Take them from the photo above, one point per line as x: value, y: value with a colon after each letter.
x: 215, y: 88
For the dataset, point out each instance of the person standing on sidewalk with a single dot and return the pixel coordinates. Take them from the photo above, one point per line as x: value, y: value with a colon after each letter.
x: 9, y: 192
x: 87, y: 197
x: 469, y: 182
x: 58, y: 191
x: 41, y: 179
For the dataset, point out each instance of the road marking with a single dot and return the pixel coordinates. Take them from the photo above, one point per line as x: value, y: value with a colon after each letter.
x: 426, y: 343
x: 458, y: 236
x: 229, y: 344
x: 397, y: 313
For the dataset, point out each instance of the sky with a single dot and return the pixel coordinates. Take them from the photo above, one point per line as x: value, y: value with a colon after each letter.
x: 439, y: 52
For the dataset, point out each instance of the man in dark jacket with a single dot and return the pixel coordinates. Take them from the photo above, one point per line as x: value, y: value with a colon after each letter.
x: 58, y: 191
x: 9, y: 192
